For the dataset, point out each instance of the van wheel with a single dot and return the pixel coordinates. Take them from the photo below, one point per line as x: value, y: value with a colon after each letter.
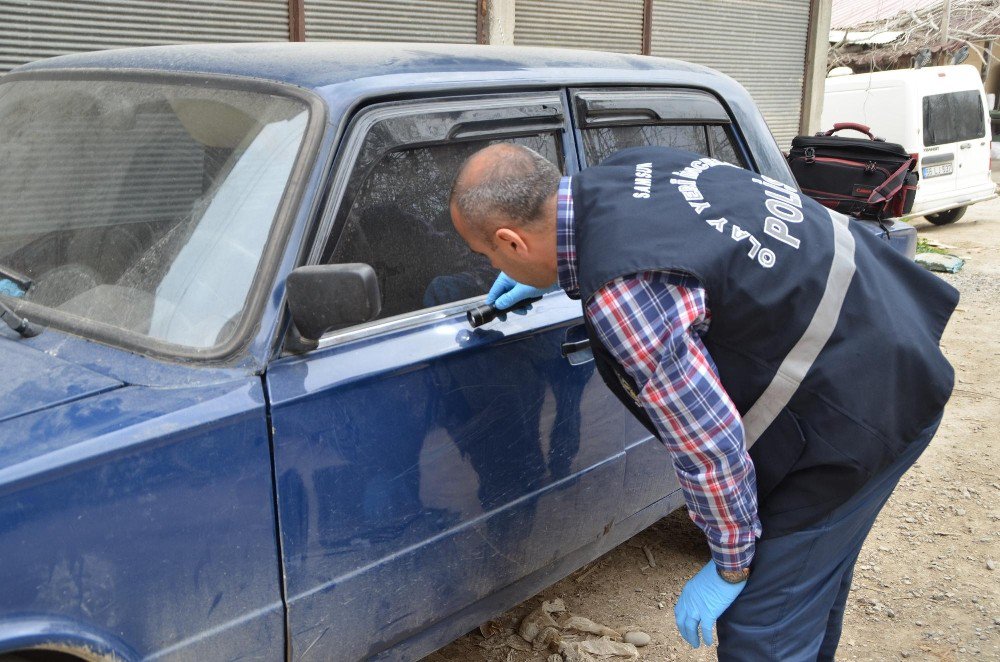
x: 947, y: 216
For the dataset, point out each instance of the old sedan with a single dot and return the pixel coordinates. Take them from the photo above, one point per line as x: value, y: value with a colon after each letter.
x: 246, y: 417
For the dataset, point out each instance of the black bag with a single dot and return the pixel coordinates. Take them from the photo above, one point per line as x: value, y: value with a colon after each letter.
x: 866, y: 178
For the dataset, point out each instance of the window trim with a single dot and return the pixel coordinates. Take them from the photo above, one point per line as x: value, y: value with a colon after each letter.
x: 357, y: 132
x: 257, y: 296
x: 405, y: 321
x: 398, y: 322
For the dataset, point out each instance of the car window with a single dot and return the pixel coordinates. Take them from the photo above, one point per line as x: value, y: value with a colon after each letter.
x: 953, y: 117
x: 398, y: 221
x: 601, y: 142
x: 722, y: 147
x: 615, y: 119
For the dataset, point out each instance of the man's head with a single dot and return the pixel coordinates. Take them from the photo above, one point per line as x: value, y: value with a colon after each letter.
x: 503, y: 204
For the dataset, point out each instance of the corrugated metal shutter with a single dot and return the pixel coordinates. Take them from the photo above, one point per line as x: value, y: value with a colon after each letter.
x: 760, y: 43
x: 34, y: 29
x: 392, y: 20
x: 604, y: 25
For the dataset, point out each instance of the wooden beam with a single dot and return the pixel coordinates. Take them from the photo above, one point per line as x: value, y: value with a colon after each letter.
x: 647, y: 27
x: 814, y: 71
x: 481, y: 9
x: 296, y: 20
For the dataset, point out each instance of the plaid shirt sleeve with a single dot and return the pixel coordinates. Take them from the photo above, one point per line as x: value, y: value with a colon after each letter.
x: 652, y: 323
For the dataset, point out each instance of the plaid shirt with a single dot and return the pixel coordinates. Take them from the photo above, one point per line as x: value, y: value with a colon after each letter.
x: 652, y: 323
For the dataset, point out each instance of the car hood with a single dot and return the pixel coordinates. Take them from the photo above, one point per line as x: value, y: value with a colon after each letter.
x: 31, y: 380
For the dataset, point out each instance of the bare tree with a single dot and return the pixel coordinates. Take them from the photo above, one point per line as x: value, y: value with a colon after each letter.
x: 970, y: 23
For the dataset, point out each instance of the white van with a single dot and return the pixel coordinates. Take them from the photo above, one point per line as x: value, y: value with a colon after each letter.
x: 938, y: 113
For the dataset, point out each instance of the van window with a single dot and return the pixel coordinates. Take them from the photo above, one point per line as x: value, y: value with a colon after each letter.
x: 953, y: 117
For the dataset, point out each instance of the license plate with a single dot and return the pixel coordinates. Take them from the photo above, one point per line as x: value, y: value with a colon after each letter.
x: 938, y: 170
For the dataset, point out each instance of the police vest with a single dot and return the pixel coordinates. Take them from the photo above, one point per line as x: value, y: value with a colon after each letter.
x: 826, y: 339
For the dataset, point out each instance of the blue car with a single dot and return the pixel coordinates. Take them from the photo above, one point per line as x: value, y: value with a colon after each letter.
x: 243, y: 414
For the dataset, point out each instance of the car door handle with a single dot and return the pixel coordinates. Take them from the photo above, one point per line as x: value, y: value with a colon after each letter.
x: 574, y: 346
x: 965, y: 146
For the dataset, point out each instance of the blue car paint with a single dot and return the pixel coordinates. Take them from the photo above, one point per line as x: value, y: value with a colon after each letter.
x: 137, y: 499
x: 33, y: 381
x: 146, y: 513
x: 901, y: 235
x: 437, y: 500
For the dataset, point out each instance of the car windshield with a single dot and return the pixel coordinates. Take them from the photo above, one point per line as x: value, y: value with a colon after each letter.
x: 145, y: 206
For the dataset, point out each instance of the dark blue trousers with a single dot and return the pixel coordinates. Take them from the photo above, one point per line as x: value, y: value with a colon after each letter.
x: 792, y: 608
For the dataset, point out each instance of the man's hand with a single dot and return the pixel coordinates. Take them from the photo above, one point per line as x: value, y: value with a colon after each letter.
x: 704, y: 598
x: 506, y: 292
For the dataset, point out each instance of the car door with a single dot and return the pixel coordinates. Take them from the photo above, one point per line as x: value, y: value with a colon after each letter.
x: 421, y: 464
x: 608, y: 121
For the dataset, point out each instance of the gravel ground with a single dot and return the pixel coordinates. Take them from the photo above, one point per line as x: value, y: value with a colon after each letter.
x: 927, y: 583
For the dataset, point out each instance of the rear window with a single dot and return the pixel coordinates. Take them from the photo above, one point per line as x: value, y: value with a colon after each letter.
x: 601, y: 142
x: 953, y: 117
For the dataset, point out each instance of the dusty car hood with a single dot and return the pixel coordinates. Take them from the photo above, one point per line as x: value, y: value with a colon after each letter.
x: 31, y: 380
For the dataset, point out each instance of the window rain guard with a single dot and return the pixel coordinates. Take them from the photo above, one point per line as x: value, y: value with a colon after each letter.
x: 602, y: 108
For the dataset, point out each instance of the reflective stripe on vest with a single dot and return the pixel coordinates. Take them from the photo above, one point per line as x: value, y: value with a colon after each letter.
x: 800, y: 359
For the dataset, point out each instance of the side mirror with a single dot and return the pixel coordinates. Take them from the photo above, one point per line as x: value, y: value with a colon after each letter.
x: 331, y: 296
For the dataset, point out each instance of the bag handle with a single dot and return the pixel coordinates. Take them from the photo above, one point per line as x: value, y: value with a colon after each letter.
x: 841, y: 126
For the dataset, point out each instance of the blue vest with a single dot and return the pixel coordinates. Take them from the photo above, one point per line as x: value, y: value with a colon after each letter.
x: 826, y: 339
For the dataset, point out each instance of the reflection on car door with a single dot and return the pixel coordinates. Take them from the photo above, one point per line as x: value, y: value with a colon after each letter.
x: 608, y: 121
x: 422, y: 465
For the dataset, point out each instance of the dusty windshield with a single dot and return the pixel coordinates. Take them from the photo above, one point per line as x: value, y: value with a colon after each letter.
x: 145, y: 206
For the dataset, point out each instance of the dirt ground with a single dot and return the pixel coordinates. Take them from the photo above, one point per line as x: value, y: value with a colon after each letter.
x: 927, y: 584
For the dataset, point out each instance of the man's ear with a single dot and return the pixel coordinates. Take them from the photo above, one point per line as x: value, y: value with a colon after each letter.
x: 511, y: 240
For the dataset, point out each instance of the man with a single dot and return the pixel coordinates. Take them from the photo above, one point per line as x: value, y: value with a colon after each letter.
x: 728, y: 312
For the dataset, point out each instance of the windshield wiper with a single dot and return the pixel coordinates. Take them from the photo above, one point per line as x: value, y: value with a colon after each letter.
x: 18, y: 323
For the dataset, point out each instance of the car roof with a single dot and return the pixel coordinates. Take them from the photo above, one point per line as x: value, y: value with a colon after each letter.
x: 315, y: 65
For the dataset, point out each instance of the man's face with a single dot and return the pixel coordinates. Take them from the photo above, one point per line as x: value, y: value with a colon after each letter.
x: 526, y: 257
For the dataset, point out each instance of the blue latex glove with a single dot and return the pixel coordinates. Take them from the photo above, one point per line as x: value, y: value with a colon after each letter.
x: 506, y: 292
x: 704, y: 598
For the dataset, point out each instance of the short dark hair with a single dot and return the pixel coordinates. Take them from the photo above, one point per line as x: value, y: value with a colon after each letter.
x: 513, y: 185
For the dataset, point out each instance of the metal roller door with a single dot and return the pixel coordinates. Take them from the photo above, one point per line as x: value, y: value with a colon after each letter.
x: 34, y: 29
x: 760, y: 43
x: 392, y: 20
x: 605, y: 25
